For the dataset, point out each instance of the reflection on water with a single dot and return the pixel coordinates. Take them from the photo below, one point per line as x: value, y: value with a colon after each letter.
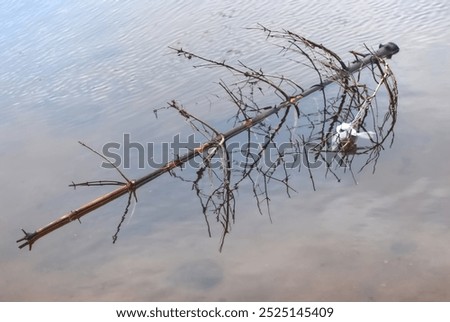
x: 201, y: 274
x: 91, y: 72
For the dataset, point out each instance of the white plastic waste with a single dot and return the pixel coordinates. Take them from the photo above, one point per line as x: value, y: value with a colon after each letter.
x: 347, y: 135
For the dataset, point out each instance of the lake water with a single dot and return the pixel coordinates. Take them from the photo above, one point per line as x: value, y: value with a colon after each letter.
x: 91, y: 71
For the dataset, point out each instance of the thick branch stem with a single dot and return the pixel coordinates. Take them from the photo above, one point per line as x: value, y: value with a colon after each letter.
x: 30, y: 238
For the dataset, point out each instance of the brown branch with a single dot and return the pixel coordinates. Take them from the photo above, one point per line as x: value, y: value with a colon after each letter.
x: 222, y: 201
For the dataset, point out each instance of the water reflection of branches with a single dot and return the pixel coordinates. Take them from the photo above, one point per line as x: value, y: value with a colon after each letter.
x: 309, y: 135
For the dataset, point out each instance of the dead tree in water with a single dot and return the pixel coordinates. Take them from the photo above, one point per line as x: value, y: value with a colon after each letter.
x: 327, y: 134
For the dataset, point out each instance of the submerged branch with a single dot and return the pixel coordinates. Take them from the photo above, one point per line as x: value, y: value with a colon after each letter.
x: 309, y: 136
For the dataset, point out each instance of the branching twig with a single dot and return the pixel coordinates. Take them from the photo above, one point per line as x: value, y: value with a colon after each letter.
x: 266, y: 126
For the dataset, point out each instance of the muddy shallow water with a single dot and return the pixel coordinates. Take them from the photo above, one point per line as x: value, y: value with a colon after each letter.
x: 92, y: 71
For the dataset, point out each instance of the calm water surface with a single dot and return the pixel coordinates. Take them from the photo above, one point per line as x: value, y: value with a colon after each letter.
x: 92, y: 71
